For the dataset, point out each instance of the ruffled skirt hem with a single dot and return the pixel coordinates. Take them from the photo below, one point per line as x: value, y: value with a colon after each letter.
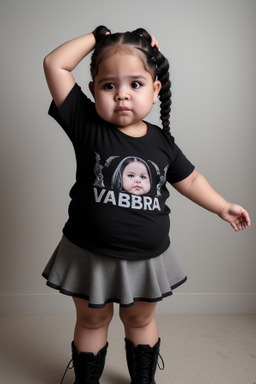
x: 100, y: 279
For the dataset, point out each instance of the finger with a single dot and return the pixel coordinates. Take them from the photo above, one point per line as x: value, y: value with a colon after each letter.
x: 234, y: 226
x: 156, y: 45
x: 237, y: 225
x: 154, y: 42
x: 247, y: 218
x: 245, y: 221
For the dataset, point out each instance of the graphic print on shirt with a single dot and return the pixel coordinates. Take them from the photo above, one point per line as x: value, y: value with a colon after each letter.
x: 131, y: 183
x: 162, y: 178
x: 99, y: 181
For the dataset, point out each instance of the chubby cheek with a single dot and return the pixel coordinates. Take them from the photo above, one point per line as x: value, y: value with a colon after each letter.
x: 127, y: 183
x: 145, y: 185
x: 102, y: 108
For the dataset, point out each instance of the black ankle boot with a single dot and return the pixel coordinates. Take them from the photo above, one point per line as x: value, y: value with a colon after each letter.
x: 88, y: 367
x: 142, y: 361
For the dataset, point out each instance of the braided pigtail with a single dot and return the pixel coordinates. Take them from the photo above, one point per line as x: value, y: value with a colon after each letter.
x: 165, y: 92
x: 160, y: 66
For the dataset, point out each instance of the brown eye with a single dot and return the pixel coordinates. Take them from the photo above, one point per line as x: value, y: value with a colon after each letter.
x: 136, y: 84
x: 109, y: 87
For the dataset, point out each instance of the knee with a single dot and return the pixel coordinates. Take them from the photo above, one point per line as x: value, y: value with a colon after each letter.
x: 138, y: 320
x: 95, y: 319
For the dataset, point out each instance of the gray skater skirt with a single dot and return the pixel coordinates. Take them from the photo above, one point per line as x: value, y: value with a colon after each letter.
x: 100, y: 279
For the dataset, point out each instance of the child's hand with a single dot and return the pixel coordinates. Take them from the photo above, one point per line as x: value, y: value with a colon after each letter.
x: 237, y: 216
x: 154, y: 42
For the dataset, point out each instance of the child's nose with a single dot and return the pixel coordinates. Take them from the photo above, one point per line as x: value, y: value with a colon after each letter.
x: 122, y: 94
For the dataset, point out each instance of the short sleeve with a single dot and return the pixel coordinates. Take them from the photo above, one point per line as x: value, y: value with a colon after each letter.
x: 180, y: 166
x: 74, y: 113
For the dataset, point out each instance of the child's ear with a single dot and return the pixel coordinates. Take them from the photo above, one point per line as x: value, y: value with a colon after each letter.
x: 91, y: 87
x: 156, y: 89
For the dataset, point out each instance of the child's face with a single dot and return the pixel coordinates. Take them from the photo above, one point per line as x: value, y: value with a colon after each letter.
x: 136, y: 178
x: 124, y: 91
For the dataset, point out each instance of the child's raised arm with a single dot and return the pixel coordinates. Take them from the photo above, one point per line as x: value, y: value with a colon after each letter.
x: 196, y: 188
x: 59, y: 64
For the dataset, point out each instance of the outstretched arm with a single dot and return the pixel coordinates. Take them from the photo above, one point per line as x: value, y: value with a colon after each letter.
x: 59, y: 64
x: 196, y: 188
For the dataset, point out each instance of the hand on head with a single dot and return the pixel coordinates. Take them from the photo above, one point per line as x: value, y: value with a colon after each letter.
x: 154, y: 42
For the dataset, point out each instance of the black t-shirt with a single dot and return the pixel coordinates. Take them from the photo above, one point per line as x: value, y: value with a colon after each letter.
x: 106, y: 216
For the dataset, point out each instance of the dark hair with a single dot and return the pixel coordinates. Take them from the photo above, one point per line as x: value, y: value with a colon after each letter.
x: 155, y: 63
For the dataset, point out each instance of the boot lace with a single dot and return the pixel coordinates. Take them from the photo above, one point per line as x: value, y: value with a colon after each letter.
x: 145, y: 366
x: 84, y: 374
x: 69, y: 366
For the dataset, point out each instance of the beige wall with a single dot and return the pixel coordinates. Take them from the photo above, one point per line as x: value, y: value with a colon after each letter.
x: 212, y: 51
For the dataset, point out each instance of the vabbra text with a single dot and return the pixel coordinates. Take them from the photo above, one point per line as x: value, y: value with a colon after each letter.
x: 125, y: 200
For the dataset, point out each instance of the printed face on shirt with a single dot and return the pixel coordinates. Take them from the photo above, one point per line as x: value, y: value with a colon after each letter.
x: 135, y: 178
x: 124, y: 91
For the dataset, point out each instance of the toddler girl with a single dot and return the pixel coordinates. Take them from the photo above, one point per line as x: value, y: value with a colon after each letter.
x: 115, y: 245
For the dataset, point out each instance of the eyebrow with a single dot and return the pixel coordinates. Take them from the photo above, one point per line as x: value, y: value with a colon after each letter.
x: 134, y: 173
x: 112, y: 78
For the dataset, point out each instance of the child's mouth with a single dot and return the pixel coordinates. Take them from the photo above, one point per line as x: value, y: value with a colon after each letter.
x: 122, y: 109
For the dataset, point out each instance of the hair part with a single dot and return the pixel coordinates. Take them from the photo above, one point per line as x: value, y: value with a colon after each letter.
x: 153, y: 60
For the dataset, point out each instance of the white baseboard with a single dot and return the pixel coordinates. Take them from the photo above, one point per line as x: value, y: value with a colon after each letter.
x: 179, y: 303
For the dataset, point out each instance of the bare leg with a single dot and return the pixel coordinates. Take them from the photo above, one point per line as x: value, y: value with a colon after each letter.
x: 140, y: 323
x: 91, y: 330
